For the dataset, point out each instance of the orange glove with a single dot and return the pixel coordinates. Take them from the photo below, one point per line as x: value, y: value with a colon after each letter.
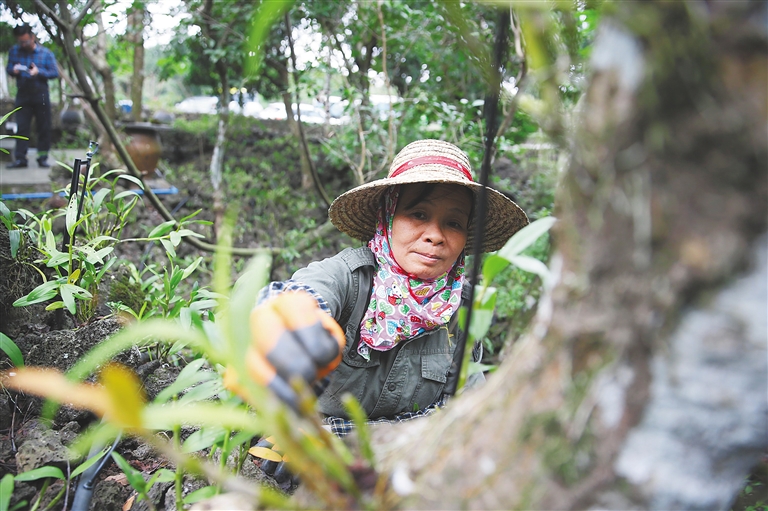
x: 292, y: 337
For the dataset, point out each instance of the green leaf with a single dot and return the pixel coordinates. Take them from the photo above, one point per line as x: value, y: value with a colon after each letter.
x: 165, y: 476
x: 189, y: 376
x: 162, y: 229
x: 9, y: 348
x: 87, y: 464
x: 99, y: 255
x: 189, y: 232
x: 492, y: 266
x: 57, y: 259
x: 71, y: 216
x: 68, y: 298
x: 54, y: 306
x: 40, y: 473
x: 175, y: 238
x: 132, y: 179
x: 6, y: 489
x: 41, y: 293
x: 532, y: 265
x: 525, y: 237
x: 125, y: 193
x: 5, y: 212
x: 15, y: 238
x: 168, y: 247
x: 201, y: 494
x: 98, y: 198
x: 202, y: 439
x: 203, y: 391
x: 134, y: 476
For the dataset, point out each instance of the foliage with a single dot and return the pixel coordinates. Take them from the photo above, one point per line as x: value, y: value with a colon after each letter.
x: 2, y: 123
x: 486, y: 295
x: 80, y: 267
x: 9, y: 348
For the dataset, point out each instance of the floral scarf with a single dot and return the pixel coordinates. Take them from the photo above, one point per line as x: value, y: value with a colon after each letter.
x: 403, y: 306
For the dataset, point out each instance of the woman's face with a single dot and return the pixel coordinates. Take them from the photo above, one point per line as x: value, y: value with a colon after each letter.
x: 430, y: 231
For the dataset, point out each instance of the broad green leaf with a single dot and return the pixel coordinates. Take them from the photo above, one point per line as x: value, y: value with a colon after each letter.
x: 192, y: 267
x: 98, y: 239
x: 134, y: 476
x: 202, y: 439
x: 188, y: 377
x: 40, y: 473
x: 132, y: 179
x: 162, y: 229
x: 99, y: 255
x: 492, y: 266
x: 203, y: 391
x: 168, y: 247
x: 68, y: 298
x: 4, y: 211
x: 525, y: 237
x: 532, y: 265
x: 98, y: 198
x: 78, y: 291
x: 125, y: 193
x: 201, y: 494
x: 9, y: 348
x: 88, y: 463
x: 15, y: 239
x: 57, y: 259
x: 41, y: 293
x: 71, y: 216
x: 175, y: 238
x: 55, y: 306
x: 165, y: 476
x: 189, y: 232
x: 6, y: 490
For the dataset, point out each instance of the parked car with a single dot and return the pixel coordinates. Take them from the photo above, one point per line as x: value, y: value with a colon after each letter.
x: 198, y: 105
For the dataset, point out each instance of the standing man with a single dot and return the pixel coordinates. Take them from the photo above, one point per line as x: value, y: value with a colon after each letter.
x: 32, y: 65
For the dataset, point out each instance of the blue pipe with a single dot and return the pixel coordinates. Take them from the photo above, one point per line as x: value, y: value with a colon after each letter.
x: 46, y: 195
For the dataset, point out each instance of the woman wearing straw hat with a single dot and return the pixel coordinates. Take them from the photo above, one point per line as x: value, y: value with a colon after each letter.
x: 394, y: 301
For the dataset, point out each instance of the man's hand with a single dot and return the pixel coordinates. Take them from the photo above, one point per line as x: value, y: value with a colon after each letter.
x: 18, y: 68
x: 292, y: 337
x: 33, y: 69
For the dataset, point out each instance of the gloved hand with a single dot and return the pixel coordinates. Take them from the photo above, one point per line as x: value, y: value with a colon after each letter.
x: 292, y: 337
x: 273, y: 462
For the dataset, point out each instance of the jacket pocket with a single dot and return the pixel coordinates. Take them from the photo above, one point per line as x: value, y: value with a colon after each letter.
x: 434, y: 371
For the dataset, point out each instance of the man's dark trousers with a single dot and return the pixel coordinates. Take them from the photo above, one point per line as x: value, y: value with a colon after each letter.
x: 37, y: 104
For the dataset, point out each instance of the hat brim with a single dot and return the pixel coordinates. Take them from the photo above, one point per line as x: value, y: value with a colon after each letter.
x: 354, y: 212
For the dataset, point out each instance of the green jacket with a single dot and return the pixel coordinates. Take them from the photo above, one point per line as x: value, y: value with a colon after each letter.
x: 409, y: 377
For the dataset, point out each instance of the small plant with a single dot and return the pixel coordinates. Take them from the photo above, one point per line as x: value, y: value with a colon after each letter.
x: 484, y: 305
x: 2, y: 121
x: 79, y: 268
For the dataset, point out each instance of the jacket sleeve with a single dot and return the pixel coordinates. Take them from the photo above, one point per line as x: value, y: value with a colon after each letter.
x: 12, y: 60
x: 332, y: 279
x: 47, y: 66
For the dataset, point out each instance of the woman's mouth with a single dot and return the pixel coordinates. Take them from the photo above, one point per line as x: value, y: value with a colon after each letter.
x: 428, y: 257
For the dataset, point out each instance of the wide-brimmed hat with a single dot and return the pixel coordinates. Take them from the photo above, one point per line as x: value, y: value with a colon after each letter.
x: 426, y: 161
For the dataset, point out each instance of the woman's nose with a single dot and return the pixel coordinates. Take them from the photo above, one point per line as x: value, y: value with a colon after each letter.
x: 433, y: 233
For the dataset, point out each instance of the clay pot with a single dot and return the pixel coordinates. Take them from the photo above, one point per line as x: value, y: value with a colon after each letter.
x: 143, y: 145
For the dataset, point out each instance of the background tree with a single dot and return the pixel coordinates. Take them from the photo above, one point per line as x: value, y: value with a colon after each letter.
x: 135, y: 35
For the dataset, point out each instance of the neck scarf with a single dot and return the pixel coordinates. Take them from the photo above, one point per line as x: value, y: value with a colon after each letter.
x: 403, y: 306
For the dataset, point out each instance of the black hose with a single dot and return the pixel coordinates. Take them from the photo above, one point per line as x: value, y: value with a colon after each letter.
x: 490, y: 111
x: 87, y: 481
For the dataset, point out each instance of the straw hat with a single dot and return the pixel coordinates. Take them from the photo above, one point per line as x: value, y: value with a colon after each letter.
x: 426, y: 161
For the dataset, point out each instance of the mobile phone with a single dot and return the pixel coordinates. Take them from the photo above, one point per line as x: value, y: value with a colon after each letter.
x: 23, y: 68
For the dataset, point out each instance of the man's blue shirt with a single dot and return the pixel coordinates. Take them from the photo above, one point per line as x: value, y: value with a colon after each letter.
x: 43, y: 59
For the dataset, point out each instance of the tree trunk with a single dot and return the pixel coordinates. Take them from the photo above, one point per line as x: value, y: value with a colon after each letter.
x: 641, y: 383
x: 136, y: 37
